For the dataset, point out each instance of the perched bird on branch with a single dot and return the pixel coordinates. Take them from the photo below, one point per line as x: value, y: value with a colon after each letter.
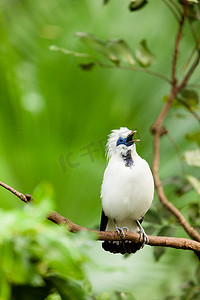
x: 127, y: 191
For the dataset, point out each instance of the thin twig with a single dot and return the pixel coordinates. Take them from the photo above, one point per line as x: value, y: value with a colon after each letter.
x: 137, y: 69
x: 176, y: 7
x: 189, y: 73
x: 18, y: 194
x: 177, y: 243
x: 177, y: 43
x: 173, y: 11
x: 196, y: 48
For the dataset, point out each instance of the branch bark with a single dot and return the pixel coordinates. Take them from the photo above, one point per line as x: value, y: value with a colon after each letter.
x: 163, y: 241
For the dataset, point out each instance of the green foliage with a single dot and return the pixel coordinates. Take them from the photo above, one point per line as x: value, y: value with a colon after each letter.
x: 99, y: 46
x: 39, y: 258
x: 117, y: 51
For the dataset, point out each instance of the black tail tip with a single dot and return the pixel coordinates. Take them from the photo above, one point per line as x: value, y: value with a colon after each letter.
x: 121, y: 247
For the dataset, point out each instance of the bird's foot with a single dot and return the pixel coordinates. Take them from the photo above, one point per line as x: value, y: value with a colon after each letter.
x: 120, y: 230
x: 143, y: 237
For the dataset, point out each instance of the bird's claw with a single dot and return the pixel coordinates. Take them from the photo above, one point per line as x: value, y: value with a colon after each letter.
x: 121, y: 230
x: 143, y: 237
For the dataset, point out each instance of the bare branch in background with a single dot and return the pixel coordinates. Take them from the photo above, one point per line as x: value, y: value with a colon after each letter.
x: 157, y: 130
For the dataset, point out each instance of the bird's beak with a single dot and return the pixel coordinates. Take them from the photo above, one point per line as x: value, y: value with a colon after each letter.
x: 129, y: 139
x: 132, y: 134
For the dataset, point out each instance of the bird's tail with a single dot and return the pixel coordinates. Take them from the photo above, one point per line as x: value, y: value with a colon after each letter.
x: 122, y: 247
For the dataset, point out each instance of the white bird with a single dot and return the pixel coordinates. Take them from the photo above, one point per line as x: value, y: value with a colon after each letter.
x: 127, y: 191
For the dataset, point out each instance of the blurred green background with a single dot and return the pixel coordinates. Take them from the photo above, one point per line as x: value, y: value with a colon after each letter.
x: 51, y: 111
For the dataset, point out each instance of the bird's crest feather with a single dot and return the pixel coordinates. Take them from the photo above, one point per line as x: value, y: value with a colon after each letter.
x: 112, y: 139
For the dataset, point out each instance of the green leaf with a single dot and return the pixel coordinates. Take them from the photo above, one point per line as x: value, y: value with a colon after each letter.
x: 98, y: 46
x: 68, y: 289
x: 194, y: 182
x: 192, y: 158
x: 137, y: 4
x: 121, y: 48
x: 190, y: 97
x: 194, y: 137
x: 68, y: 52
x: 143, y: 55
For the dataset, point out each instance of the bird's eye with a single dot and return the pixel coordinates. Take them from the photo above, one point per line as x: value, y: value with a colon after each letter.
x: 120, y: 141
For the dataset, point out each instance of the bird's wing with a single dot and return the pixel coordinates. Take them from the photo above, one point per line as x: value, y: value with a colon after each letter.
x: 104, y: 221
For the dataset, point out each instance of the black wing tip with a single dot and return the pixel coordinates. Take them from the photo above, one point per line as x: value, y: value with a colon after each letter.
x: 104, y: 221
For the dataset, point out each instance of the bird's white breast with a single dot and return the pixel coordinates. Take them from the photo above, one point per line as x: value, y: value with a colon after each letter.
x: 127, y: 192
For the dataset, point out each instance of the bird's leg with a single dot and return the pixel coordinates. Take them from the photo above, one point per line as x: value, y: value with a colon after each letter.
x: 143, y: 236
x: 120, y: 229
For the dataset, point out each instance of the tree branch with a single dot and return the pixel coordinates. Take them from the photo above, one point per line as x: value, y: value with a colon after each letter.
x: 158, y: 131
x: 177, y: 243
x: 16, y: 193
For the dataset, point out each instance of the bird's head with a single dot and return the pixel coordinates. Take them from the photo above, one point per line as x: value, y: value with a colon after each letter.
x: 120, y: 141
